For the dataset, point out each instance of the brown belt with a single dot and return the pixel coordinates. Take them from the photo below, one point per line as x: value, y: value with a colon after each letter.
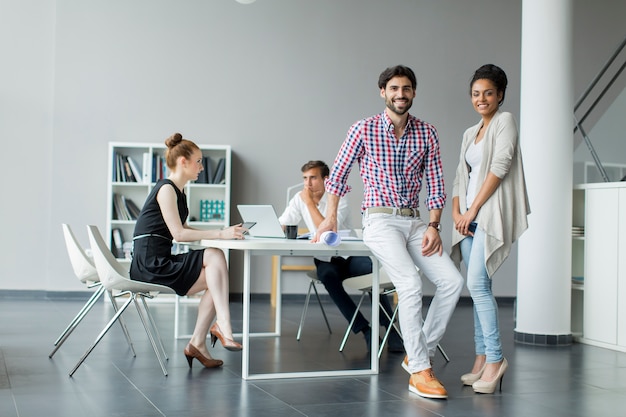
x: 402, y: 211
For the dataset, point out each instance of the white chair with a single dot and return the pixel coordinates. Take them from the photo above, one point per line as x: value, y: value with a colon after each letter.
x: 85, y: 271
x: 363, y: 283
x: 313, y: 281
x: 310, y: 272
x: 115, y: 279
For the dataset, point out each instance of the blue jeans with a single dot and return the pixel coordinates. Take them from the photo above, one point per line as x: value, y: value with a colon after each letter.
x: 333, y: 273
x: 486, y: 327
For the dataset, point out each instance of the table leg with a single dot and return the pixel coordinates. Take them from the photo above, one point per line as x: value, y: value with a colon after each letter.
x: 245, y: 357
x: 375, y: 314
x: 278, y: 299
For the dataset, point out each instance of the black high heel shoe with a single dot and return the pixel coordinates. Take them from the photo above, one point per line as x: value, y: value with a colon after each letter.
x: 192, y: 352
x: 228, y: 344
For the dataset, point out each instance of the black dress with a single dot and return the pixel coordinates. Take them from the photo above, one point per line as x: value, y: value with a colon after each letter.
x: 152, y: 259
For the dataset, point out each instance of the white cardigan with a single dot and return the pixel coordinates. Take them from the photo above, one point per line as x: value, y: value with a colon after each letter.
x: 503, y: 217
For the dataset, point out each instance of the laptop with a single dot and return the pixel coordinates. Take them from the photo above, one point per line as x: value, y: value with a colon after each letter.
x: 265, y: 219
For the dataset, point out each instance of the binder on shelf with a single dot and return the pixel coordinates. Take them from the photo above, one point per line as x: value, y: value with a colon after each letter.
x: 219, y: 171
x: 146, y: 168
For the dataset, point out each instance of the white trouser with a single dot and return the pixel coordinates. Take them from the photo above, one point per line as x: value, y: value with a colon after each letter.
x: 397, y: 243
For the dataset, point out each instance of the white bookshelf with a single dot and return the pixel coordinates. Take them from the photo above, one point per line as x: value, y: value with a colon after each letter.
x: 137, y: 191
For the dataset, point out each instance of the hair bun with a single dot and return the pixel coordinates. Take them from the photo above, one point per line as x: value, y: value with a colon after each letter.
x: 173, y: 140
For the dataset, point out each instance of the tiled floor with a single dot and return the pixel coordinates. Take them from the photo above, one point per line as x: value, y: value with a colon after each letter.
x: 572, y: 381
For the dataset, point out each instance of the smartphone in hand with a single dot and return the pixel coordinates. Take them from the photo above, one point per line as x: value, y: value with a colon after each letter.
x: 247, y: 225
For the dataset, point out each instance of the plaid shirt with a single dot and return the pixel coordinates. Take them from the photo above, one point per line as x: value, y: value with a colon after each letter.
x: 391, y: 169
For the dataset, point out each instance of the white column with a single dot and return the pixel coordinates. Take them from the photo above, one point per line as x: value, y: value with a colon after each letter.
x: 546, y: 108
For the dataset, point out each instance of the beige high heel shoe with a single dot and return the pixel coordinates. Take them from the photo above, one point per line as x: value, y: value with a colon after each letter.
x: 484, y: 387
x: 470, y: 378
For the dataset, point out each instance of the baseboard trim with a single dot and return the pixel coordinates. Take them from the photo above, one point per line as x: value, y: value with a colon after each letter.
x: 234, y: 297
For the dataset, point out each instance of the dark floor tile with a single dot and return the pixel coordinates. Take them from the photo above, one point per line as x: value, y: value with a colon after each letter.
x: 573, y: 381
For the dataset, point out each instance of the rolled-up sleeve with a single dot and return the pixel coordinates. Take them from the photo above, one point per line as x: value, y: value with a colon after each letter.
x: 350, y: 150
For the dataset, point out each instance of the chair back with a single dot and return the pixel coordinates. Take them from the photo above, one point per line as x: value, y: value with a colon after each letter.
x: 82, y: 264
x: 364, y: 282
x: 113, y: 274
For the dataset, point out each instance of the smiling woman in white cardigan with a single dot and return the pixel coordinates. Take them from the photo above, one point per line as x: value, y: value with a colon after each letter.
x: 489, y: 209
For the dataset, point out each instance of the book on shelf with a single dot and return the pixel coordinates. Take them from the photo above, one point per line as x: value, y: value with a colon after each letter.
x: 130, y: 176
x: 206, y: 175
x: 120, y: 207
x: 117, y: 242
x: 208, y: 168
x: 125, y: 169
x: 134, y: 168
x: 124, y: 208
x: 202, y: 176
x: 119, y: 170
x: 114, y: 169
x: 218, y: 177
x: 158, y: 168
x: 132, y: 208
x: 117, y: 207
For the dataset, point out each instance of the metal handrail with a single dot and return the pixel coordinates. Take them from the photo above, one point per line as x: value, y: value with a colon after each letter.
x: 594, y: 82
x: 600, y: 74
x: 594, y: 155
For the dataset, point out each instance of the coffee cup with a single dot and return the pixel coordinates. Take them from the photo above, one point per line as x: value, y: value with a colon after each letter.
x: 291, y: 231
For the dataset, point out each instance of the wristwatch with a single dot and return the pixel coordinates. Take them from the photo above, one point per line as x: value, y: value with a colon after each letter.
x: 436, y: 225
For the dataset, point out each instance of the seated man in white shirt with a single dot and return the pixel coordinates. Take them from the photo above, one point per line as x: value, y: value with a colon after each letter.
x: 310, y: 205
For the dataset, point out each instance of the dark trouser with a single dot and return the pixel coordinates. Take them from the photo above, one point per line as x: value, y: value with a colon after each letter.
x: 333, y: 273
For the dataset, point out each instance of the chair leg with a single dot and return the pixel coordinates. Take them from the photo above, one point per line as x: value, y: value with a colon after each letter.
x: 319, y: 301
x: 154, y: 326
x: 349, y: 329
x: 118, y: 313
x: 176, y: 316
x: 78, y: 318
x: 443, y: 352
x: 122, y: 324
x: 304, y: 309
x: 147, y: 323
x: 392, y: 322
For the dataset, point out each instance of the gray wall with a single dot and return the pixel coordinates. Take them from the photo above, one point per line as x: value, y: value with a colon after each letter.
x: 280, y: 81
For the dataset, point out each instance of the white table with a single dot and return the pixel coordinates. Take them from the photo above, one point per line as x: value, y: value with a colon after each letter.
x: 295, y: 247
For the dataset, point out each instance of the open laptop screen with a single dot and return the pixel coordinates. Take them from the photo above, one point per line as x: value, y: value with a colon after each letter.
x: 264, y: 215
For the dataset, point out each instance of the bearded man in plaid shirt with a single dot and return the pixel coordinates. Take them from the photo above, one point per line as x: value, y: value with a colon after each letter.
x: 396, y: 152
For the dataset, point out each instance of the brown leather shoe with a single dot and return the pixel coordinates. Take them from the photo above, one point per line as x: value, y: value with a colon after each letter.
x: 192, y: 352
x: 425, y: 384
x: 229, y: 344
